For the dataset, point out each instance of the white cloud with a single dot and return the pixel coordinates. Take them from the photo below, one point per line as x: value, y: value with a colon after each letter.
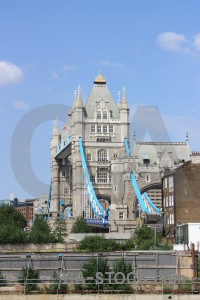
x: 108, y: 63
x: 55, y: 75
x: 20, y: 105
x: 9, y: 73
x: 69, y: 68
x: 197, y: 41
x: 171, y: 41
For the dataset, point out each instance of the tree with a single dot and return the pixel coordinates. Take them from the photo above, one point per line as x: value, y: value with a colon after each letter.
x: 60, y: 230
x: 12, y: 225
x: 41, y: 231
x: 80, y: 226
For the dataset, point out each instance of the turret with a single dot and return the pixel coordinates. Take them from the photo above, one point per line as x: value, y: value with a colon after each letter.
x: 55, y: 140
x: 119, y: 99
x: 124, y: 116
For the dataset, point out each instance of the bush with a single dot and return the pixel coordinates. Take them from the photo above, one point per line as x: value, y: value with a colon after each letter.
x: 80, y: 226
x: 100, y: 244
x: 121, y: 266
x: 29, y: 277
x: 99, y: 264
x: 89, y: 269
x: 57, y: 287
x: 145, y: 238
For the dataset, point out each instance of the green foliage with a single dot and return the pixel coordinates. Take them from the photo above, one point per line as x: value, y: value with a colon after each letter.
x: 100, y: 244
x: 121, y: 266
x: 56, y: 287
x: 99, y: 264
x: 60, y: 230
x: 89, y: 270
x: 80, y: 226
x: 29, y: 277
x: 2, y: 280
x: 12, y: 225
x: 41, y: 231
x: 145, y: 238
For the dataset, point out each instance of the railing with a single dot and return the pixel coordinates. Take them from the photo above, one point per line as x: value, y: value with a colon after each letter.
x: 63, y: 144
x: 146, y: 285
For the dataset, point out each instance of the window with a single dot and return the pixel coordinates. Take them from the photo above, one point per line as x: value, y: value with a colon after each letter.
x: 102, y: 177
x: 104, y: 128
x: 166, y: 201
x: 89, y: 157
x: 115, y: 155
x: 121, y: 215
x: 65, y: 191
x: 99, y: 128
x: 148, y: 178
x: 105, y: 115
x: 98, y: 115
x: 111, y: 128
x: 92, y: 178
x: 163, y: 202
x: 102, y: 155
x: 166, y: 183
x: 172, y: 218
x: 115, y: 189
x: 92, y: 128
x: 171, y: 181
x: 146, y: 161
x: 172, y: 200
x: 63, y: 173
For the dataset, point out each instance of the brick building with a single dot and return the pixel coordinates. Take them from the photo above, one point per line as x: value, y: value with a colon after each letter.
x: 26, y: 209
x: 181, y: 197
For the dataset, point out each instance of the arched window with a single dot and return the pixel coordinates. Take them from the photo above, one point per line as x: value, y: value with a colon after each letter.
x: 102, y: 155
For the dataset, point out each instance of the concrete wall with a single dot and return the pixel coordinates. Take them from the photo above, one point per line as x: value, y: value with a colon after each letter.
x: 144, y: 263
x: 77, y: 237
x: 58, y: 247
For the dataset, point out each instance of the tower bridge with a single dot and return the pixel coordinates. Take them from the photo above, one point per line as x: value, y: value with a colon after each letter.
x: 94, y: 173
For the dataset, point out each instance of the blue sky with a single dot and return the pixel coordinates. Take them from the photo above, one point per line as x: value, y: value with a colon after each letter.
x: 49, y: 47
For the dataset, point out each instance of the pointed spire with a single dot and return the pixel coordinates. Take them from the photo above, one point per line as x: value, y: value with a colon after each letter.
x: 124, y: 100
x: 119, y: 99
x: 55, y: 127
x: 79, y: 101
x: 77, y: 98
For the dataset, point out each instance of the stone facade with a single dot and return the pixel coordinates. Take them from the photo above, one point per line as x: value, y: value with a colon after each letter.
x: 103, y: 125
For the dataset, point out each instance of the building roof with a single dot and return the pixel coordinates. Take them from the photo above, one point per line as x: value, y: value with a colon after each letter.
x: 100, y: 92
x: 155, y: 150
